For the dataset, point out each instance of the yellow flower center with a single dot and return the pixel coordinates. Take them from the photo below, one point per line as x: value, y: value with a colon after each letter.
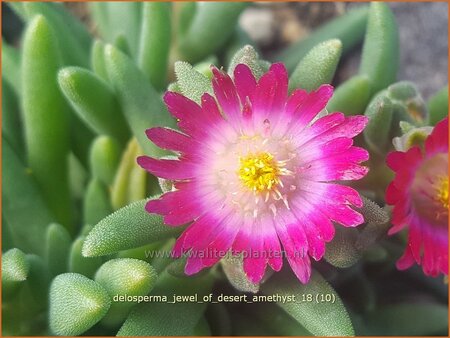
x: 442, y: 192
x: 259, y: 172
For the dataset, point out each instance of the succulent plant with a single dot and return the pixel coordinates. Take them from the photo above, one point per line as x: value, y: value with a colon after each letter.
x: 83, y: 256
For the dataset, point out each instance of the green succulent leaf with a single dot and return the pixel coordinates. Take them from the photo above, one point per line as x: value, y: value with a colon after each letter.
x: 46, y: 118
x: 208, y: 28
x: 23, y: 207
x: 99, y: 12
x: 411, y: 319
x: 15, y: 268
x: 86, y: 266
x: 380, y: 57
x: 166, y: 319
x: 204, y: 66
x: 124, y: 276
x: 380, y: 113
x: 141, y: 104
x: 438, y: 106
x: 176, y: 268
x: 192, y: 83
x: 341, y: 251
x: 121, y: 43
x: 351, y: 97
x: 349, y: 28
x: 321, y: 319
x: 248, y: 56
x: 76, y: 304
x: 129, y: 14
x: 57, y: 248
x: 130, y: 181
x: 97, y: 62
x: 373, y: 213
x: 317, y: 67
x: 411, y: 105
x: 161, y: 262
x: 129, y: 227
x: 96, y: 203
x: 130, y: 276
x: 104, y: 159
x: 154, y: 45
x: 233, y: 267
x: 38, y: 280
x: 73, y: 38
x: 219, y: 319
x: 94, y: 101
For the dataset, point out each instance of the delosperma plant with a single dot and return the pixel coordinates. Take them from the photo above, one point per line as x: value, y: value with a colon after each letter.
x: 162, y: 177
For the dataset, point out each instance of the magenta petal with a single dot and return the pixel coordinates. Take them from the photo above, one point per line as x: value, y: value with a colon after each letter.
x: 438, y: 139
x: 295, y: 245
x: 226, y: 95
x: 177, y: 249
x: 170, y: 139
x: 210, y: 109
x: 272, y: 247
x: 255, y: 260
x: 189, y: 114
x: 344, y: 215
x: 245, y: 82
x: 169, y: 169
x: 219, y: 247
x: 271, y: 92
x: 406, y: 261
x: 193, y: 265
x: 305, y: 110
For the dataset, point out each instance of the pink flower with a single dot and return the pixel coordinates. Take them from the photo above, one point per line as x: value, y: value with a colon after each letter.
x: 256, y: 168
x: 419, y: 194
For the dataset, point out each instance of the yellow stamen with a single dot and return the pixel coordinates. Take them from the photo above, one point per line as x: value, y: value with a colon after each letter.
x: 259, y: 172
x: 442, y: 192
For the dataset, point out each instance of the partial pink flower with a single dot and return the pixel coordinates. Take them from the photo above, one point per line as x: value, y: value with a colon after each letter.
x: 256, y: 168
x: 419, y: 193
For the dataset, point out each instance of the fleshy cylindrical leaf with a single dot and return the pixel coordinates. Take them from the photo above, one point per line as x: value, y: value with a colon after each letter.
x: 73, y: 38
x: 104, y: 159
x: 57, y: 248
x: 248, y: 56
x: 192, y: 83
x: 380, y: 113
x: 380, y: 57
x: 210, y: 27
x: 23, y: 206
x: 86, y: 266
x: 46, y: 118
x: 317, y: 67
x: 124, y: 276
x: 129, y: 227
x: 351, y: 97
x: 438, y: 106
x: 94, y: 102
x: 76, y: 304
x: 141, y: 104
x: 349, y: 28
x: 98, y: 60
x: 96, y: 203
x: 121, y: 184
x: 15, y: 269
x: 319, y: 318
x: 154, y: 46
